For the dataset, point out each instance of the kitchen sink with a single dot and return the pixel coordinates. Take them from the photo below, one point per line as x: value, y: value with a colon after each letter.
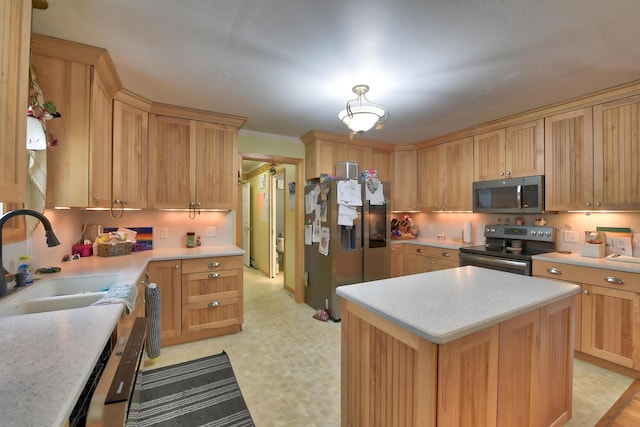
x: 59, y: 293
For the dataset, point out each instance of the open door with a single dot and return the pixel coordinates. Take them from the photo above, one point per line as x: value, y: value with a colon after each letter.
x: 246, y: 223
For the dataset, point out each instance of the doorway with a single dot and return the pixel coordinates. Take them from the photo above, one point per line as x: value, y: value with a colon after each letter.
x: 264, y: 200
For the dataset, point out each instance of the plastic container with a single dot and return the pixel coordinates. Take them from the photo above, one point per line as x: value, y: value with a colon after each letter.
x: 25, y: 269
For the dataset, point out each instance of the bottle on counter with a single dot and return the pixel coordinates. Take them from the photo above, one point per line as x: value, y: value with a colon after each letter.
x: 25, y: 269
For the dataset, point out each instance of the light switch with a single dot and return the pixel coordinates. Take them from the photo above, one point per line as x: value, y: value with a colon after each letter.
x: 164, y: 232
x: 211, y: 232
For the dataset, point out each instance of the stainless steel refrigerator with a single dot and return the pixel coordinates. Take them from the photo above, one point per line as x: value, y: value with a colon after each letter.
x: 354, y: 253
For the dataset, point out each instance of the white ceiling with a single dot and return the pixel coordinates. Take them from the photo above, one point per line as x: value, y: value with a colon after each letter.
x: 289, y: 65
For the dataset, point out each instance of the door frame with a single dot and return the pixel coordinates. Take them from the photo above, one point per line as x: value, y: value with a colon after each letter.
x: 296, y: 288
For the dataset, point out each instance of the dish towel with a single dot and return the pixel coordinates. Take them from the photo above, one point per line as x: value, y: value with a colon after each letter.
x: 120, y: 294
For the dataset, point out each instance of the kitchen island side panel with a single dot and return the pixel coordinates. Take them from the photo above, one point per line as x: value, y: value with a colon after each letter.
x: 519, y: 370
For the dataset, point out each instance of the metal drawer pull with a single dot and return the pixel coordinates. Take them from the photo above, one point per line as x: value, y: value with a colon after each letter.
x: 446, y: 254
x: 554, y: 270
x: 214, y: 304
x: 214, y: 275
x: 614, y: 280
x: 419, y: 251
x: 214, y: 264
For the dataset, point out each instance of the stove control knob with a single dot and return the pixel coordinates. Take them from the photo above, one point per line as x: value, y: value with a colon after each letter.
x: 493, y: 230
x: 487, y: 229
x: 534, y: 233
x: 548, y: 234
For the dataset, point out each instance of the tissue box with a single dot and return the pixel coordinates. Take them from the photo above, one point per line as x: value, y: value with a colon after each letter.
x: 592, y: 250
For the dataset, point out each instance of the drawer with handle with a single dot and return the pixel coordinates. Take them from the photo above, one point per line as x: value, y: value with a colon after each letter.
x: 589, y: 275
x: 195, y: 265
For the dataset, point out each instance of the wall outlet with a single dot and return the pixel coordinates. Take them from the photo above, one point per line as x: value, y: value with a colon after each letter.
x: 636, y: 239
x: 570, y: 236
x: 164, y: 232
x: 211, y: 232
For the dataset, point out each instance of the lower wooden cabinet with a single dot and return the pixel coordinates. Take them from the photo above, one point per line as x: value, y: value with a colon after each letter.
x: 608, y: 317
x: 422, y: 259
x: 167, y: 276
x: 200, y: 297
x: 397, y: 260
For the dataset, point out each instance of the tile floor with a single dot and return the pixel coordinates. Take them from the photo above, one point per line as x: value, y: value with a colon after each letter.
x: 288, y: 364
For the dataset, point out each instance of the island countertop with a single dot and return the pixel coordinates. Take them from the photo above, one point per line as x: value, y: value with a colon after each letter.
x: 445, y: 305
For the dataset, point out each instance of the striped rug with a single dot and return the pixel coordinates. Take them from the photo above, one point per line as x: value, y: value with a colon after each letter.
x: 201, y: 392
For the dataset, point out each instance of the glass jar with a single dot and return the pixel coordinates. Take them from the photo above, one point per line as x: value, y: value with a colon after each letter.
x: 191, y: 240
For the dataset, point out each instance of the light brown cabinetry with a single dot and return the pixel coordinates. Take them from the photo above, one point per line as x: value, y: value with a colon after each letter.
x: 397, y: 260
x: 323, y: 150
x: 518, y: 372
x: 616, y: 127
x: 167, y: 275
x: 512, y: 152
x: 193, y: 163
x: 200, y: 297
x: 568, y: 150
x: 81, y: 81
x: 130, y: 151
x: 404, y: 191
x: 211, y: 296
x: 15, y: 21
x: 610, y: 310
x: 422, y: 259
x: 445, y: 176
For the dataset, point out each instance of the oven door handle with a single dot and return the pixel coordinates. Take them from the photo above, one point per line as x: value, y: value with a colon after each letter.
x: 494, y: 260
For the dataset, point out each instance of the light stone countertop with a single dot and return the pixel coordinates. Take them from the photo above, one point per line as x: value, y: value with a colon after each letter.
x: 436, y: 243
x: 577, y: 259
x: 445, y: 305
x: 47, y: 357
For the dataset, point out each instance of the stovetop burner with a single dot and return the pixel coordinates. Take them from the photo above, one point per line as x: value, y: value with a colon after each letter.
x: 515, y: 242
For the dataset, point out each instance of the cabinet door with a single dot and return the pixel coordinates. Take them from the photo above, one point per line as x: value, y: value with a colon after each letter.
x: 216, y: 166
x: 431, y: 176
x: 358, y: 154
x: 172, y: 162
x: 568, y: 161
x: 382, y: 161
x: 321, y: 157
x: 167, y: 276
x: 617, y: 153
x: 100, y: 157
x: 489, y: 155
x: 68, y: 84
x: 458, y: 175
x: 397, y: 260
x: 524, y: 149
x: 130, y: 155
x: 405, y: 192
x: 610, y: 320
x: 15, y: 20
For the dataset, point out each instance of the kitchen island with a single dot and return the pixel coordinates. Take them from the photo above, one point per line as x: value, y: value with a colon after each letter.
x: 459, y: 347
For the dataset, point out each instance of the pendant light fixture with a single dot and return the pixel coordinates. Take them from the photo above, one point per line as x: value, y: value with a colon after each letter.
x: 361, y: 115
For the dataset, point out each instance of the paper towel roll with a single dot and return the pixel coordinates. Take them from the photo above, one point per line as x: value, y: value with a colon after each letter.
x: 466, y: 234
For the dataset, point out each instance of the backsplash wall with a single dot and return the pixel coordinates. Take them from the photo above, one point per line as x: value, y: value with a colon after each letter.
x: 67, y: 224
x: 451, y: 225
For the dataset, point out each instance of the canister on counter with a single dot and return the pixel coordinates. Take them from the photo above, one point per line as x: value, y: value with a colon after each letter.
x: 191, y: 239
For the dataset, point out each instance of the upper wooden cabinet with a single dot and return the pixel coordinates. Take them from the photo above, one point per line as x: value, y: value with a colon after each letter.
x: 193, y: 162
x: 568, y: 150
x: 445, y: 176
x: 81, y: 81
x: 511, y: 152
x: 15, y: 20
x: 130, y: 151
x: 404, y: 190
x: 323, y: 150
x: 616, y: 154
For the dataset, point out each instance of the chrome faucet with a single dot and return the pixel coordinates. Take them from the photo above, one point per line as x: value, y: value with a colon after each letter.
x: 52, y: 240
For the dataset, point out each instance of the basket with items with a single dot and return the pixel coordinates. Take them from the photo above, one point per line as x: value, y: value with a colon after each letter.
x: 116, y: 243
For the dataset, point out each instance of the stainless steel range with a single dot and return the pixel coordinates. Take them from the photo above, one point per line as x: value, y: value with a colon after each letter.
x: 509, y: 248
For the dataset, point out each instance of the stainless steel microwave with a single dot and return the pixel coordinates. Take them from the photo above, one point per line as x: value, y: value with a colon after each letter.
x: 511, y: 196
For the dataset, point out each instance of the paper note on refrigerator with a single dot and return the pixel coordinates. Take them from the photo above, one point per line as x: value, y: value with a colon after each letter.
x: 346, y: 215
x: 323, y: 247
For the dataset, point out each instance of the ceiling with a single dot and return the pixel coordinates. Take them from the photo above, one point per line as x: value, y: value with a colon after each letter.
x: 289, y: 65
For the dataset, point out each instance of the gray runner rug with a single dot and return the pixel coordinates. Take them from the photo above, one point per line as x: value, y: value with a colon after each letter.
x: 201, y: 392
